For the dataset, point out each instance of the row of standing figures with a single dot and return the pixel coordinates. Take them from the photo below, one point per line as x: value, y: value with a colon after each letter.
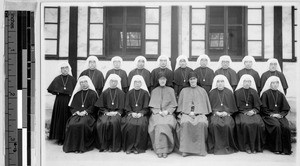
x: 218, y: 117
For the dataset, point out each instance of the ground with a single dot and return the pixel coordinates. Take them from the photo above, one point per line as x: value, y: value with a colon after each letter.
x: 54, y: 156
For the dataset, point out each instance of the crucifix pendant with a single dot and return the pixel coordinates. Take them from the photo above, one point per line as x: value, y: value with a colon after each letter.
x: 65, y: 88
x: 112, y: 103
x: 136, y: 105
x: 275, y: 105
x: 204, y: 79
x: 221, y: 104
x: 246, y: 104
x: 183, y: 80
x: 82, y: 105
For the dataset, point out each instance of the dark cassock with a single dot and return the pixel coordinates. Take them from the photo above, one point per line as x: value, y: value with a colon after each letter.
x: 167, y: 70
x: 162, y: 122
x: 95, y: 75
x: 250, y: 127
x: 193, y: 105
x: 140, y: 71
x: 275, y: 108
x: 108, y: 125
x: 229, y: 73
x: 120, y: 72
x: 181, y: 74
x: 80, y: 126
x: 274, y: 71
x: 221, y: 127
x: 62, y: 87
x: 135, y: 122
x: 205, y: 75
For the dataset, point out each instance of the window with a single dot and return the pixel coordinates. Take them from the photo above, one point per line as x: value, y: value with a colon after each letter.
x: 124, y: 31
x: 226, y: 32
x: 51, y: 31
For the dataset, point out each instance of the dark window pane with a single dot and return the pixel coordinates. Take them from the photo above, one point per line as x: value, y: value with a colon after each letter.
x: 216, y: 15
x: 134, y: 15
x: 235, y: 40
x: 114, y: 44
x: 216, y: 40
x: 235, y: 15
x: 115, y: 15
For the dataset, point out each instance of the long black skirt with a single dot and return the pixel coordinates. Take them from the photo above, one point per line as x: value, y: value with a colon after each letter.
x: 135, y: 133
x: 108, y: 133
x: 60, y: 115
x: 278, y: 135
x: 79, y: 134
x: 250, y: 132
x: 221, y: 137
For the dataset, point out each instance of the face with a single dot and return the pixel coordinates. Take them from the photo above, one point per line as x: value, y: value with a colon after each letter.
x: 137, y: 84
x: 203, y: 62
x: 117, y: 64
x: 92, y: 64
x: 140, y: 64
x: 274, y: 85
x: 84, y: 84
x: 220, y: 84
x: 64, y: 70
x: 247, y: 84
x: 273, y: 66
x: 193, y: 81
x: 113, y: 84
x: 163, y: 63
x: 248, y: 64
x: 162, y: 81
x: 182, y: 63
x: 225, y: 64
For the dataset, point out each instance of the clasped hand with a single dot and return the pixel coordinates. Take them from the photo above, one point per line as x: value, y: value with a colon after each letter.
x: 136, y: 115
x: 112, y: 113
x: 82, y: 113
x: 276, y: 116
x: 250, y: 113
x: 222, y: 114
x: 164, y: 113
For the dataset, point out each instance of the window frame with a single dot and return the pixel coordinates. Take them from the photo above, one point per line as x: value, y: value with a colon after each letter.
x: 123, y: 54
x: 53, y: 56
x: 226, y: 26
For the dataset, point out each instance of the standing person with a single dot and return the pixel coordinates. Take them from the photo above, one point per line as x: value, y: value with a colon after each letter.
x: 221, y: 135
x: 204, y: 73
x: 62, y: 87
x: 117, y: 63
x: 162, y: 122
x: 164, y: 65
x: 80, y: 126
x: 135, y: 123
x: 193, y: 105
x: 108, y: 125
x: 181, y: 73
x: 92, y: 71
x: 248, y: 62
x: 141, y: 69
x: 274, y: 108
x: 224, y: 69
x: 273, y: 69
x: 249, y: 124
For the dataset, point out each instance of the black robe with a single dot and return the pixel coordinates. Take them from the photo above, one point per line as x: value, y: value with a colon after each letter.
x: 253, y: 73
x: 277, y: 130
x: 267, y: 74
x: 221, y: 135
x: 230, y: 74
x: 250, y: 129
x: 123, y: 75
x: 205, y: 77
x: 135, y: 130
x: 154, y: 77
x: 80, y: 129
x: 181, y: 79
x: 61, y: 112
x: 97, y: 78
x: 108, y: 128
x: 143, y: 72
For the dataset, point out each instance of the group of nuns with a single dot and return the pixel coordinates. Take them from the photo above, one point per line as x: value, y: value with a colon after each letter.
x: 192, y: 112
